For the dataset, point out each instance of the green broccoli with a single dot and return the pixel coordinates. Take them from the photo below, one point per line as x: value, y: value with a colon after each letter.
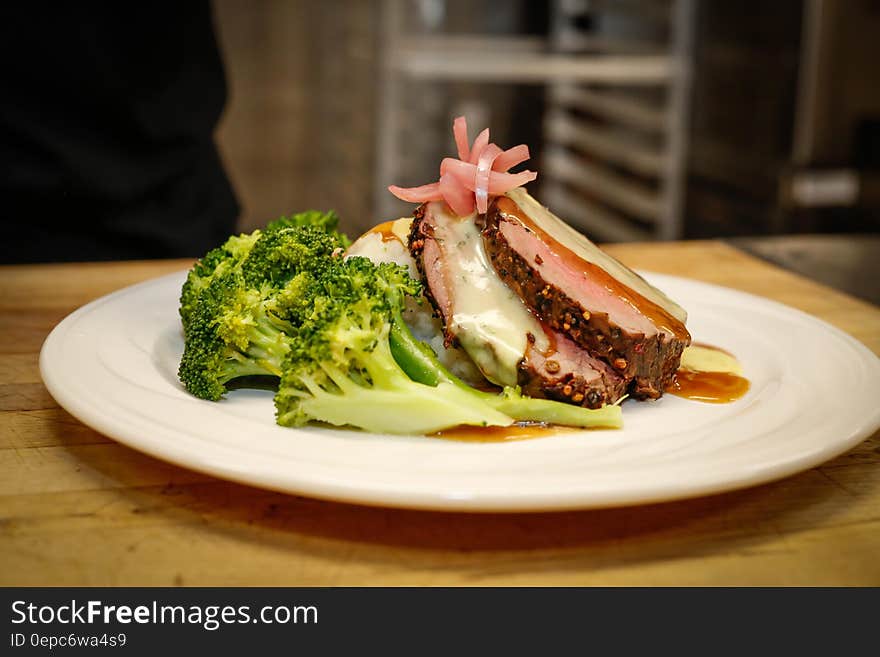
x: 267, y: 253
x: 340, y: 369
x: 353, y: 361
x: 280, y: 254
x: 326, y: 221
x: 232, y: 332
x: 216, y: 262
x: 240, y: 302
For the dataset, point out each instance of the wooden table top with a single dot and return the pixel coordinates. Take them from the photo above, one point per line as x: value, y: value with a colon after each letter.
x: 77, y: 508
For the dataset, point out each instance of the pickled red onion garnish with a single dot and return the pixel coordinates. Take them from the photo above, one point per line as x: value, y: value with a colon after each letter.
x: 459, y: 131
x: 458, y: 198
x: 423, y: 194
x: 484, y: 165
x: 479, y: 144
x: 479, y: 173
x: 466, y: 174
x: 511, y: 157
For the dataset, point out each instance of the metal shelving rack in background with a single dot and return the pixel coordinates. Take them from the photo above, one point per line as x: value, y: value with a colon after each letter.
x: 616, y: 78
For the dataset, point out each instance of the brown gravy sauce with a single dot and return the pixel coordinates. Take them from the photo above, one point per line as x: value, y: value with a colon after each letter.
x: 384, y: 231
x: 520, y: 431
x: 659, y: 316
x: 711, y: 387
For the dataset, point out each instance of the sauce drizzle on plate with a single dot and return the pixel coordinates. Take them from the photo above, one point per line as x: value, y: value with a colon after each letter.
x: 711, y: 387
x: 709, y: 374
x: 519, y: 431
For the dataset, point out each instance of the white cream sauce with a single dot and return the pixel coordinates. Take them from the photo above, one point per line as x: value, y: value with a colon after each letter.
x: 400, y: 229
x: 702, y: 358
x: 489, y: 319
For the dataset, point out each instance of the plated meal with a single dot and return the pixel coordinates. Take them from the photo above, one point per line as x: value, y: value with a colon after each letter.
x: 405, y: 368
x: 482, y: 309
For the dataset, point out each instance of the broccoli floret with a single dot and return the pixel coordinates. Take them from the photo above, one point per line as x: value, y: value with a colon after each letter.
x: 240, y: 301
x: 232, y: 333
x: 326, y: 221
x: 354, y: 362
x: 341, y: 370
x: 276, y: 253
x: 216, y: 262
x: 283, y: 252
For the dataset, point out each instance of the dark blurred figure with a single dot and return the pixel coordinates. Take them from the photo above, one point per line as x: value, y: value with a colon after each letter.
x: 107, y: 115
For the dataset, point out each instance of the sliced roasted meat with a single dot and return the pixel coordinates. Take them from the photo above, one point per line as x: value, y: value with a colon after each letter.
x: 577, y: 289
x: 479, y: 312
x: 568, y: 373
x: 490, y: 321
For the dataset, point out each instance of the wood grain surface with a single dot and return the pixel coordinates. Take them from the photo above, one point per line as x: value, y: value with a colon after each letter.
x: 77, y: 508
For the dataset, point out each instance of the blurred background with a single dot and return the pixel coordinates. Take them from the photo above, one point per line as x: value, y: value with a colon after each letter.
x: 755, y: 122
x: 647, y: 119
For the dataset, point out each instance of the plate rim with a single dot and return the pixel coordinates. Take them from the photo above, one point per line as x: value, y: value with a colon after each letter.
x: 483, y: 502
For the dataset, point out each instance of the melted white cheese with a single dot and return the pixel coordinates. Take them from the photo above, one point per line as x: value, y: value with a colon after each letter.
x: 489, y: 319
x: 400, y: 229
x: 698, y: 358
x: 580, y: 245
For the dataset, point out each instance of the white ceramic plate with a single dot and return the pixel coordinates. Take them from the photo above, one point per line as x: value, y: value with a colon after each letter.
x: 813, y: 395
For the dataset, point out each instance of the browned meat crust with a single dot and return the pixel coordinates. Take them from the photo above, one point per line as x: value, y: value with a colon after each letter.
x: 419, y: 231
x: 569, y: 374
x: 648, y: 363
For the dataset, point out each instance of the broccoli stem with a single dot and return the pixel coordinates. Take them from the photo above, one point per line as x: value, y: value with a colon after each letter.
x: 394, y: 403
x: 421, y: 364
x: 264, y: 355
x: 268, y: 347
x: 239, y: 365
x: 529, y: 409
